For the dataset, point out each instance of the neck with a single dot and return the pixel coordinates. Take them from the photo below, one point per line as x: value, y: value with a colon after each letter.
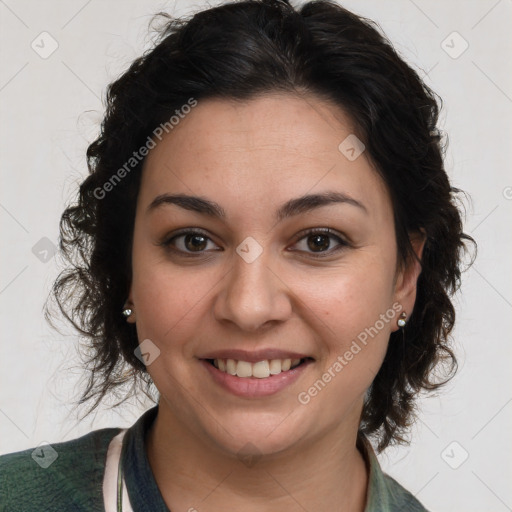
x: 191, y: 474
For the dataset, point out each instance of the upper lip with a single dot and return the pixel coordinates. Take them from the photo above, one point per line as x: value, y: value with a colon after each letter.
x: 253, y: 356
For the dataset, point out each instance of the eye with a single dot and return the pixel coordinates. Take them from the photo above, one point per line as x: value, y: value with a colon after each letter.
x: 195, y: 242
x: 318, y: 241
x: 188, y: 242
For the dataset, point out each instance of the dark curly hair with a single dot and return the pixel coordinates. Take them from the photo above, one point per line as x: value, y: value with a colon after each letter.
x: 237, y: 51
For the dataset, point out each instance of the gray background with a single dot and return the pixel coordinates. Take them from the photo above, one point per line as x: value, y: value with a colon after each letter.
x: 50, y: 111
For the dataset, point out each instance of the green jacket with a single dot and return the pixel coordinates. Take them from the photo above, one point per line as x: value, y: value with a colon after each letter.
x: 68, y: 476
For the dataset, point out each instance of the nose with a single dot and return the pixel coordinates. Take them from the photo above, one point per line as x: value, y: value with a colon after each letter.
x: 252, y: 295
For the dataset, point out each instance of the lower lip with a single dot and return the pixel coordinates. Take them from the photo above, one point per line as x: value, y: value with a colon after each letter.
x: 252, y: 387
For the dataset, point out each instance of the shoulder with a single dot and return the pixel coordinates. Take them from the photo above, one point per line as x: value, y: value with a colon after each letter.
x: 58, y: 476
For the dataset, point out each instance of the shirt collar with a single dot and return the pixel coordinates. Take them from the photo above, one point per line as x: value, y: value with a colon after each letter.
x: 141, y: 485
x: 145, y: 495
x: 376, y: 493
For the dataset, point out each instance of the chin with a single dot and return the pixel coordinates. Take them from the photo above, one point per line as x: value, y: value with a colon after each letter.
x: 256, y: 434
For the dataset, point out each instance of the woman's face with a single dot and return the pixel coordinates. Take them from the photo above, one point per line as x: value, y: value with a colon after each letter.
x: 251, y: 285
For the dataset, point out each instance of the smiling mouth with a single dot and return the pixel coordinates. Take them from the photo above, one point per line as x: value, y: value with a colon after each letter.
x: 260, y: 370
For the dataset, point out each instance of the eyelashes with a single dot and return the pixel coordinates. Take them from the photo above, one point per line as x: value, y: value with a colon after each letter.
x: 201, y: 241
x: 325, y: 234
x: 196, y: 233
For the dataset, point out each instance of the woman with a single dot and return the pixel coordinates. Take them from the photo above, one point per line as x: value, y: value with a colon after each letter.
x: 268, y: 235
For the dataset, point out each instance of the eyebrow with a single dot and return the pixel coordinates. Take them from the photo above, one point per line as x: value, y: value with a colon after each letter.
x: 289, y: 209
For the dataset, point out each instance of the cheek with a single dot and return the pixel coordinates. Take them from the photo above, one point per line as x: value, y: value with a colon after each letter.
x: 355, y: 315
x: 349, y: 299
x: 353, y: 309
x: 168, y: 300
x: 168, y: 303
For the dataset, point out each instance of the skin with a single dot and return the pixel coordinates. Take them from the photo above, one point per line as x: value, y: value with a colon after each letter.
x: 250, y: 157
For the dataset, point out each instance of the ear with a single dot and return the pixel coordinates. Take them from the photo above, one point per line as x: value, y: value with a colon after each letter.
x: 407, y: 278
x: 129, y: 304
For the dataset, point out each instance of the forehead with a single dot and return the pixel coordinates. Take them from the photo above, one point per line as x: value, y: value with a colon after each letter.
x: 264, y: 150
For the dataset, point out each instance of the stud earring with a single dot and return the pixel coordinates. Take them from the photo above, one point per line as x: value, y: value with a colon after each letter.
x: 402, y: 320
x: 127, y: 312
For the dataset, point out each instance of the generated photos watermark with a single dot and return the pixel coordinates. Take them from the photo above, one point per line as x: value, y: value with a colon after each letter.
x: 304, y: 397
x: 142, y: 152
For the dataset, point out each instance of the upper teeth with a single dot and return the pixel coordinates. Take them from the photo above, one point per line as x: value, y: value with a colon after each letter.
x: 260, y: 370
